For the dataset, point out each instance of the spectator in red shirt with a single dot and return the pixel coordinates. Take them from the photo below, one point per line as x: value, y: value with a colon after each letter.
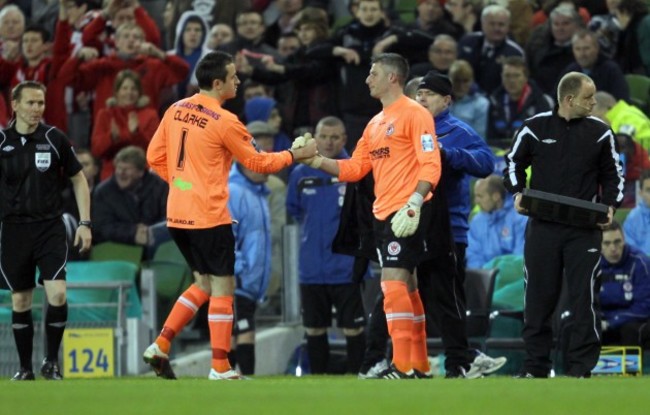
x: 126, y: 120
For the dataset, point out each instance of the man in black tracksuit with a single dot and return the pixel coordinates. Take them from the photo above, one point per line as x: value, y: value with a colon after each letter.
x: 571, y: 154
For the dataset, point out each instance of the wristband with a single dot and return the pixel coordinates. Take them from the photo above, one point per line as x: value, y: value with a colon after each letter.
x: 86, y: 223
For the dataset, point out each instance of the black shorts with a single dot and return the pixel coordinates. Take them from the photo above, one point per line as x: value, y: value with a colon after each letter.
x: 318, y: 299
x: 207, y: 251
x: 25, y: 246
x: 244, y: 315
x: 406, y: 252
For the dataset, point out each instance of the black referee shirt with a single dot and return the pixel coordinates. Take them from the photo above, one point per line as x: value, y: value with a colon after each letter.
x: 33, y: 170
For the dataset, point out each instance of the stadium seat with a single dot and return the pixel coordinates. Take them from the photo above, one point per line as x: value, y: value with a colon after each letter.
x: 81, y: 299
x: 113, y: 251
x: 511, y: 269
x: 171, y: 273
x: 621, y: 215
x: 639, y: 86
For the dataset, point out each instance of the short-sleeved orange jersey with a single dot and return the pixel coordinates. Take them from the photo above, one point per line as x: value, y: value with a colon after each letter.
x: 193, y: 150
x: 400, y: 146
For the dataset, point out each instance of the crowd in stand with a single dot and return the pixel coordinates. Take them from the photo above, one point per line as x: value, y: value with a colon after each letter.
x: 113, y: 67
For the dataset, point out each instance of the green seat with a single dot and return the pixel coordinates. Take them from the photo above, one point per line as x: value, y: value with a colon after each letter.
x: 511, y: 269
x: 113, y: 251
x: 639, y: 86
x: 100, y: 271
x: 621, y: 214
x: 509, y: 296
x: 406, y: 10
x: 171, y: 272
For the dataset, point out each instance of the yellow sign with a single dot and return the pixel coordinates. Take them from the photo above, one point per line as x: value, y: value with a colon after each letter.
x: 88, y: 353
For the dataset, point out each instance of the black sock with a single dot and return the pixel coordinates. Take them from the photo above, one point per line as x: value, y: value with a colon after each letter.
x: 232, y: 358
x: 318, y: 349
x: 56, y: 318
x: 23, y: 328
x: 355, y: 346
x: 246, y: 358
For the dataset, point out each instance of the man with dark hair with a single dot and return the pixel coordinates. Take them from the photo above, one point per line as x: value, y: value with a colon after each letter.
x: 571, y: 154
x: 36, y: 160
x: 128, y: 204
x: 624, y: 289
x: 399, y: 146
x: 193, y: 150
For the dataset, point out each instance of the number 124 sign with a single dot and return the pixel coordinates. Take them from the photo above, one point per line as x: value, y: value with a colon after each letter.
x: 88, y: 353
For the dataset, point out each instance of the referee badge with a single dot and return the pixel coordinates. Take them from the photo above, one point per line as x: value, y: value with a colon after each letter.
x: 43, y: 161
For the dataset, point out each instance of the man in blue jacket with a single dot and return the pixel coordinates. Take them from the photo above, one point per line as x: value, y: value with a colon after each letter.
x: 314, y: 199
x: 498, y: 229
x: 249, y: 208
x: 625, y: 289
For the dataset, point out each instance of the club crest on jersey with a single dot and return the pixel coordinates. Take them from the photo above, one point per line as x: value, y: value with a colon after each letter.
x: 390, y: 130
x: 427, y: 142
x: 394, y: 248
x: 43, y: 161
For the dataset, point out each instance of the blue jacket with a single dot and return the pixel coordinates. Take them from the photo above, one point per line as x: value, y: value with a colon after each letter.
x: 625, y: 288
x: 314, y: 199
x: 466, y: 154
x: 636, y: 227
x: 494, y: 234
x: 248, y: 205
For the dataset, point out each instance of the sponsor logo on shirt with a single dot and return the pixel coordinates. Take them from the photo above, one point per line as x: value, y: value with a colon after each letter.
x: 7, y: 149
x: 390, y: 130
x: 43, y: 147
x: 549, y: 141
x: 380, y: 153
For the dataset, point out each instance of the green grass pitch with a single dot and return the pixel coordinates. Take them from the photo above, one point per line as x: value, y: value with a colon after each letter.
x: 314, y: 395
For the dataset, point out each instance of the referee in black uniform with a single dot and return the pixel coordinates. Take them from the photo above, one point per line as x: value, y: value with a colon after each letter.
x: 571, y: 154
x: 35, y: 161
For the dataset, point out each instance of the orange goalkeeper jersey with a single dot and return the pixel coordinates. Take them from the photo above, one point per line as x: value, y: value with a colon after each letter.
x: 400, y: 146
x: 193, y: 150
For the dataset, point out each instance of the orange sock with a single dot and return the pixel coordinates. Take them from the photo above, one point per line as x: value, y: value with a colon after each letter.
x: 220, y: 319
x: 399, y: 316
x: 419, y: 353
x: 182, y: 312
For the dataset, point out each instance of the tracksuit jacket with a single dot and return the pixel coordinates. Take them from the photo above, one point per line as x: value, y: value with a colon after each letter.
x: 314, y: 199
x: 466, y: 154
x: 636, y: 227
x: 625, y: 289
x: 496, y: 233
x: 248, y: 205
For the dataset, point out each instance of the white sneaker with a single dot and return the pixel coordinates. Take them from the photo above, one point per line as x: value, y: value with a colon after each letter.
x: 159, y: 361
x: 229, y: 374
x: 373, y: 372
x: 484, y: 365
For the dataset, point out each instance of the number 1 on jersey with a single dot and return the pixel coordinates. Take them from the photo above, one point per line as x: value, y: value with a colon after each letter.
x: 180, y: 161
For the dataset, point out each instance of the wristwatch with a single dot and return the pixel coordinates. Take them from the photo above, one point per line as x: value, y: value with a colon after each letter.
x: 86, y: 223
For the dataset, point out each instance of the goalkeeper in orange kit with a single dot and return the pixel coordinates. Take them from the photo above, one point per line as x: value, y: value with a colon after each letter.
x: 399, y: 146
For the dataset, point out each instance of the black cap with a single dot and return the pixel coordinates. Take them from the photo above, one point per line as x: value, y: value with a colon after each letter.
x: 436, y: 82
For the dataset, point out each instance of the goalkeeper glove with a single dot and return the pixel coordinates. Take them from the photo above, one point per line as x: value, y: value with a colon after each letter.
x: 300, y: 142
x: 406, y: 220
